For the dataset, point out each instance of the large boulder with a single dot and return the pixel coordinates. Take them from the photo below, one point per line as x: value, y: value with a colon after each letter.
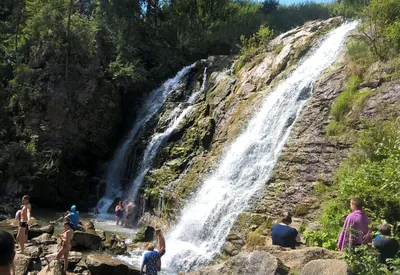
x: 102, y: 265
x: 325, y: 267
x: 296, y: 259
x: 255, y: 263
x: 33, y: 251
x: 53, y: 268
x: 21, y: 264
x: 44, y: 239
x: 35, y: 232
x: 83, y: 240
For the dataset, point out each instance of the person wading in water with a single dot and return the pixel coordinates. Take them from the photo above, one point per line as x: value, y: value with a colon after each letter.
x: 119, y: 213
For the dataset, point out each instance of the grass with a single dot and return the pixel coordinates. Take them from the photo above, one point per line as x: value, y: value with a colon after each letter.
x: 347, y: 107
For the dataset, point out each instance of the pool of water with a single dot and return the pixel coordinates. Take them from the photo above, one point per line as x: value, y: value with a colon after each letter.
x: 105, y: 222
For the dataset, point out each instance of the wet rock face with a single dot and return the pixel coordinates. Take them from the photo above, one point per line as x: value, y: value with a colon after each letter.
x: 219, y: 116
x: 308, y: 158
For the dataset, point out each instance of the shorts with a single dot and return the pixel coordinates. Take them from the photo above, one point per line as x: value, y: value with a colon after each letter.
x: 25, y: 225
x: 129, y: 216
x: 162, y: 253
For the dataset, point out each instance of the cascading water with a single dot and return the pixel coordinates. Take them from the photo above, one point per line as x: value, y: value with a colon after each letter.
x: 158, y: 139
x: 152, y: 105
x: 247, y: 163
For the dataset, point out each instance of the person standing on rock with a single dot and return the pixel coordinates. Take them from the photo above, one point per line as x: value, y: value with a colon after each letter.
x: 130, y: 211
x: 284, y: 235
x: 23, y: 226
x: 66, y: 246
x: 151, y: 260
x: 160, y: 242
x: 7, y: 253
x: 119, y: 213
x: 356, y: 229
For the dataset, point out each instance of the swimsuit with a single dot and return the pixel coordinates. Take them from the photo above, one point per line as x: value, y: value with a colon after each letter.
x: 119, y: 213
x: 25, y: 225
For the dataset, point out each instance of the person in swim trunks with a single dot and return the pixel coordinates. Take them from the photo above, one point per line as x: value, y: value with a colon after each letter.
x: 130, y: 211
x: 66, y: 246
x: 23, y: 226
x: 119, y: 213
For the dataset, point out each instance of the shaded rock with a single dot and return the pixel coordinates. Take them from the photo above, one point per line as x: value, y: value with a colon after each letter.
x: 35, y: 266
x: 35, y: 232
x: 255, y: 263
x: 101, y: 234
x: 325, y: 267
x: 21, y: 263
x: 44, y: 239
x: 50, y: 249
x: 102, y: 265
x: 33, y: 251
x: 53, y: 268
x: 74, y: 258
x: 230, y: 249
x: 119, y: 248
x: 83, y: 240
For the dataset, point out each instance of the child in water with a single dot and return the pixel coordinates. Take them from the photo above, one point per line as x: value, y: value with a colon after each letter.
x: 66, y: 238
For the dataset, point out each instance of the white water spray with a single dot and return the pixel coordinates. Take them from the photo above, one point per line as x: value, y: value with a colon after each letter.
x: 176, y: 117
x: 247, y: 163
x: 118, y: 165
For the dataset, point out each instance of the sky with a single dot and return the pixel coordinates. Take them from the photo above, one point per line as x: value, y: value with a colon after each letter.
x: 288, y: 2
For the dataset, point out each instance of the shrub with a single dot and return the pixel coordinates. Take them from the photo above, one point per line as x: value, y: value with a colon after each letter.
x: 347, y: 106
x: 370, y: 172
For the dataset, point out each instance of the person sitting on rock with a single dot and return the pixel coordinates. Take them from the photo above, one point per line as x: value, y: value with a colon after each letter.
x: 151, y: 260
x: 355, y: 230
x: 7, y: 253
x: 66, y: 238
x: 284, y: 235
x: 73, y: 218
x: 387, y: 247
x: 63, y: 217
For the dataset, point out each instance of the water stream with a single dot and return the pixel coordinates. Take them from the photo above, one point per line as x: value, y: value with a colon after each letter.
x: 117, y: 167
x: 247, y: 163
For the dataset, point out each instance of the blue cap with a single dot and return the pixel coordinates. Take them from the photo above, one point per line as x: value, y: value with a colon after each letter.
x: 73, y: 208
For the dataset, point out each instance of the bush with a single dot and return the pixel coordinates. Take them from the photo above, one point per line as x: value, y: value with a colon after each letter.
x: 370, y: 172
x: 347, y: 106
x: 363, y: 260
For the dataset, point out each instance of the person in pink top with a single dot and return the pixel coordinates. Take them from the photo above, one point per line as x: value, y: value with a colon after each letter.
x: 356, y: 229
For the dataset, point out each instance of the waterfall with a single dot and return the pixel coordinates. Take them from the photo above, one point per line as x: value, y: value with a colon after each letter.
x: 247, y: 163
x: 175, y: 117
x: 151, y: 106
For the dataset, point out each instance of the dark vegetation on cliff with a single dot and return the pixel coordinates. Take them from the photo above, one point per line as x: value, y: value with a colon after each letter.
x: 72, y: 74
